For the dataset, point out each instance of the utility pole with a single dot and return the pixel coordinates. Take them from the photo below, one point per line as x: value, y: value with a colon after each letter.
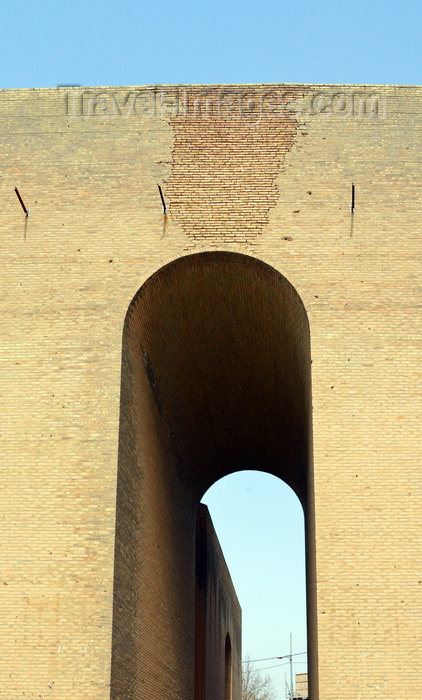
x: 287, y: 691
x: 291, y: 666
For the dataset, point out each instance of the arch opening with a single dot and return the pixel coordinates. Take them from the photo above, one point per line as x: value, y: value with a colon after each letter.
x: 215, y: 379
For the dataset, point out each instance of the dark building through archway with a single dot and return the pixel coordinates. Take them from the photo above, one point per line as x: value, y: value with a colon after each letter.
x: 216, y: 378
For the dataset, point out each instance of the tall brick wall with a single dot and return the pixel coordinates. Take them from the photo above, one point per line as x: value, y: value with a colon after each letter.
x: 261, y: 171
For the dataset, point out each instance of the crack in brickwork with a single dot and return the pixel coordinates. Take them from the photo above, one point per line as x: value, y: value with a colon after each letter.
x: 225, y: 163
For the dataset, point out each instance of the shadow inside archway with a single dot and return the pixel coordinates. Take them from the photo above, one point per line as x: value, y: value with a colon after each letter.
x: 215, y: 379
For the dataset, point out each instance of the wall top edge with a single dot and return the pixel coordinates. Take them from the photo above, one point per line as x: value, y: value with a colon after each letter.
x: 208, y: 85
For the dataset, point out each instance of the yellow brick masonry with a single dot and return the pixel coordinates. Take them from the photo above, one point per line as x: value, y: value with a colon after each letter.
x: 263, y: 170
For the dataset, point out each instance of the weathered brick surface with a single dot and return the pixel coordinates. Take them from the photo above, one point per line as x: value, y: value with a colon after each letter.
x: 275, y: 186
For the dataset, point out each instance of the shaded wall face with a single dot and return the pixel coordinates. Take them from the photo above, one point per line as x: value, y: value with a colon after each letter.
x: 215, y: 378
x: 153, y: 613
x: 218, y: 653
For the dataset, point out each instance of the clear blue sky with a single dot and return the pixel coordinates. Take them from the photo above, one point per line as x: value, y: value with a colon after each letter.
x: 260, y: 524
x: 45, y: 43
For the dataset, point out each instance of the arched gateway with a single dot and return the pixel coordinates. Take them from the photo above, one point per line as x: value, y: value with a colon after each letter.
x: 216, y: 378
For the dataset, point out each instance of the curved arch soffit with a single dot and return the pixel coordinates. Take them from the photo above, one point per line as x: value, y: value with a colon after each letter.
x: 222, y: 341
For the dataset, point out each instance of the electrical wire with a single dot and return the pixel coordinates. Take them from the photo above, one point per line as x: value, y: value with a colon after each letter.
x: 272, y: 658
